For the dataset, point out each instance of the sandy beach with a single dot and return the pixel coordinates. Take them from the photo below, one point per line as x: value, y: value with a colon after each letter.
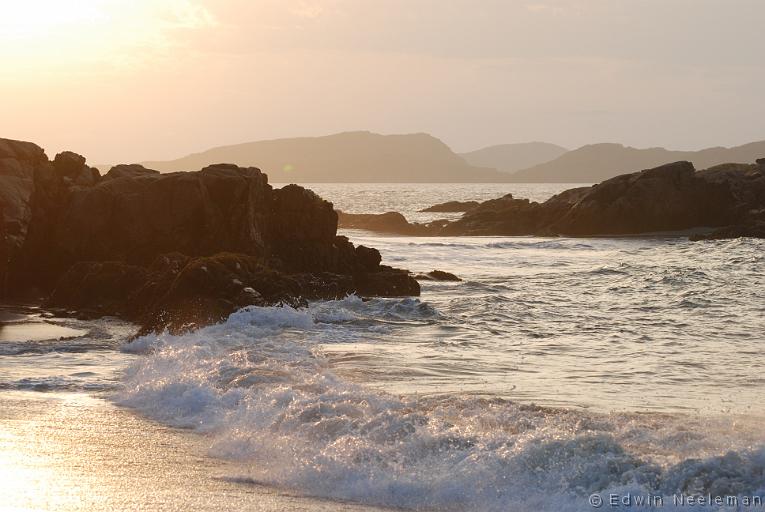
x: 70, y: 451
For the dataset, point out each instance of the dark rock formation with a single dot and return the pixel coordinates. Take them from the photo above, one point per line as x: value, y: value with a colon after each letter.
x: 19, y: 163
x: 437, y: 275
x: 390, y: 222
x: 451, y: 207
x: 71, y: 168
x: 503, y: 216
x: 172, y: 249
x: 128, y: 171
x: 180, y: 292
x: 669, y: 198
x: 751, y: 230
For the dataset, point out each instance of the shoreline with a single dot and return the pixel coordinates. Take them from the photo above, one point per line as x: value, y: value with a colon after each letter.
x: 75, y: 451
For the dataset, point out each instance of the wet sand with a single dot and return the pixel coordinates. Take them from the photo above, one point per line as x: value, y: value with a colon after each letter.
x: 75, y: 452
x: 18, y: 323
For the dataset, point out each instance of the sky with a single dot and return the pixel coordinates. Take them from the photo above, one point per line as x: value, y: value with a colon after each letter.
x: 132, y: 80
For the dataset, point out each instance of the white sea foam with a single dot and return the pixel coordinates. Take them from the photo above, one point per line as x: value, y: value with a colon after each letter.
x: 256, y: 386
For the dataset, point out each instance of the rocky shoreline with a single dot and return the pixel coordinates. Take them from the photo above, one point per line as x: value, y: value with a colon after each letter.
x: 175, y: 250
x: 726, y: 201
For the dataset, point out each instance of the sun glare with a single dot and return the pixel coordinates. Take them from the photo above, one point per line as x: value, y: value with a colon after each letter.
x: 38, y: 18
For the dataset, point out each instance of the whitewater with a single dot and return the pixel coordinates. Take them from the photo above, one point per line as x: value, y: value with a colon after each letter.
x: 557, y: 370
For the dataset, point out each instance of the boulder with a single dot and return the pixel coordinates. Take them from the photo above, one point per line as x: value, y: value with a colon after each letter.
x: 128, y: 171
x: 387, y: 282
x: 671, y: 197
x: 389, y: 222
x: 437, y: 275
x: 71, y: 168
x: 745, y: 182
x: 451, y: 206
x: 301, y: 230
x: 368, y: 258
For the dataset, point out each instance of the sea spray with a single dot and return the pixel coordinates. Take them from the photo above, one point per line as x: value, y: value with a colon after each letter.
x: 259, y: 388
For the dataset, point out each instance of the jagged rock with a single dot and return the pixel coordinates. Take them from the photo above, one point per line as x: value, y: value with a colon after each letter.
x: 128, y: 171
x: 451, y: 206
x: 437, y: 275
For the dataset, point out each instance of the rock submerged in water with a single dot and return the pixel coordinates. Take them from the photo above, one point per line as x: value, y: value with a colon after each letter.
x: 172, y: 250
x: 437, y: 275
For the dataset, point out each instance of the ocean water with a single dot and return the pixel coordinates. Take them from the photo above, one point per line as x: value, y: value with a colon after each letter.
x: 409, y: 198
x: 557, y: 370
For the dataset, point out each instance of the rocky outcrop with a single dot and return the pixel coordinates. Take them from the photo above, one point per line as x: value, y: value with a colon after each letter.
x: 173, y: 249
x: 178, y: 292
x: 670, y: 198
x: 19, y: 164
x: 128, y: 171
x: 390, y: 222
x: 451, y: 207
x: 71, y: 168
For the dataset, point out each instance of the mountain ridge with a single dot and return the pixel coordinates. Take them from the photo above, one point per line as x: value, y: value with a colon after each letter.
x: 367, y: 157
x: 358, y: 156
x: 514, y: 157
x: 593, y: 163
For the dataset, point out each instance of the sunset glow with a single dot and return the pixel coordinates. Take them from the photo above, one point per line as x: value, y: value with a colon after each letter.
x: 36, y: 19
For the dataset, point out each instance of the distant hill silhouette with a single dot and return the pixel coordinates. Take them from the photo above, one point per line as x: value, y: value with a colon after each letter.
x: 597, y: 162
x: 514, y: 157
x: 344, y: 157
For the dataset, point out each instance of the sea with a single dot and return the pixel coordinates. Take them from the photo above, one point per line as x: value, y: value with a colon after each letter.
x: 561, y: 374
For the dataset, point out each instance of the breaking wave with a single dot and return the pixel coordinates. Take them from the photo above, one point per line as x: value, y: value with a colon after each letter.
x: 258, y: 386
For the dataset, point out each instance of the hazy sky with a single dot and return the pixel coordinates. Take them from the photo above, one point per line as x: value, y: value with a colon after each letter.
x: 130, y: 80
